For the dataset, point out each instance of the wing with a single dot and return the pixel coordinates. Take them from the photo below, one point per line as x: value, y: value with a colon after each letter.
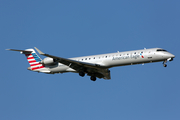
x: 91, y: 69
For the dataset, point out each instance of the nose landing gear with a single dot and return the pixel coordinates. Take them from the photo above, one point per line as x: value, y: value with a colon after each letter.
x: 164, y: 63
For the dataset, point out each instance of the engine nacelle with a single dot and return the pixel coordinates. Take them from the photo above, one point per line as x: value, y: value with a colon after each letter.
x: 48, y: 61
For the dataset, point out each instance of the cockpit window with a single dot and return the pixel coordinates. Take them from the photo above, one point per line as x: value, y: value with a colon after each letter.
x: 161, y: 50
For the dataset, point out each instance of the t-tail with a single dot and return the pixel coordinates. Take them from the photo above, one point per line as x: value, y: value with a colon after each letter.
x: 33, y: 59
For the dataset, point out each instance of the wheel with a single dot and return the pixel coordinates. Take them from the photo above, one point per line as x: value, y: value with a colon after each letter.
x: 82, y: 74
x: 164, y: 65
x: 93, y: 78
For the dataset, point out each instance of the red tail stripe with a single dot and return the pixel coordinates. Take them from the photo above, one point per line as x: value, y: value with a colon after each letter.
x: 30, y: 58
x: 35, y: 64
x: 37, y: 67
x: 32, y: 61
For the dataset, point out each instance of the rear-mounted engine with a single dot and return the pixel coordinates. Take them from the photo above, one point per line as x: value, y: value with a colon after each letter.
x: 49, y: 61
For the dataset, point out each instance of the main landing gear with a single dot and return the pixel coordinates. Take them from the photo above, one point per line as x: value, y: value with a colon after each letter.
x: 93, y: 78
x: 82, y: 74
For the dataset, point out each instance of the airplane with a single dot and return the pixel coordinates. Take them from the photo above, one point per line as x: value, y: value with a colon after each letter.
x: 95, y: 66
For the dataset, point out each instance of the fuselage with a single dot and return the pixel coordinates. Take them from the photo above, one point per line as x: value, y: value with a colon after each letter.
x: 95, y: 66
x: 118, y: 59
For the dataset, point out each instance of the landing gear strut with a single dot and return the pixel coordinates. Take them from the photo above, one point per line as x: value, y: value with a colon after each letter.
x: 164, y: 63
x: 93, y: 78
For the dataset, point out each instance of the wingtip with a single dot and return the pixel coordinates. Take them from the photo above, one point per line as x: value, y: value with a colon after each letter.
x: 11, y: 49
x: 40, y: 52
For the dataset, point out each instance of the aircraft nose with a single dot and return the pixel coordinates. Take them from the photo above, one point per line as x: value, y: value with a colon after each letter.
x: 172, y: 56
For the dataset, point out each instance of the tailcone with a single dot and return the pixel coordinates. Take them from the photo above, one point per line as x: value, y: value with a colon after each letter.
x: 29, y: 68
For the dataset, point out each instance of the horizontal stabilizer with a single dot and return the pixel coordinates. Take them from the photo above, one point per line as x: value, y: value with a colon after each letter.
x: 22, y: 51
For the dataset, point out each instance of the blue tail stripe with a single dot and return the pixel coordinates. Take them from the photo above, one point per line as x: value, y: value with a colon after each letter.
x: 36, y: 57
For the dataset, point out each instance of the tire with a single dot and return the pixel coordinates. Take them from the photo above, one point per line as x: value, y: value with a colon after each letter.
x: 82, y: 74
x: 93, y: 78
x: 164, y: 65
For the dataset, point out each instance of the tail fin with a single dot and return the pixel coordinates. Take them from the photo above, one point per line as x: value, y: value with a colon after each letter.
x: 32, y: 58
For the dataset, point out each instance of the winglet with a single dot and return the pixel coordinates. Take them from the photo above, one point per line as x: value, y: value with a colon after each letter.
x: 40, y: 52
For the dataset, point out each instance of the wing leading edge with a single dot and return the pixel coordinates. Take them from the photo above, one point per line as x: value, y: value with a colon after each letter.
x: 91, y: 69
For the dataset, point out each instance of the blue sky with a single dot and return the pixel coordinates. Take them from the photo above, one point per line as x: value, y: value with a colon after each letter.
x: 76, y: 28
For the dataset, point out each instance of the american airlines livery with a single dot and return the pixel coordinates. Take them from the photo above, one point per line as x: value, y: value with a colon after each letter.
x: 96, y: 66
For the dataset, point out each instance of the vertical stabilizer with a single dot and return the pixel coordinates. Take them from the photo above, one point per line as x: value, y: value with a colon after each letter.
x: 33, y: 59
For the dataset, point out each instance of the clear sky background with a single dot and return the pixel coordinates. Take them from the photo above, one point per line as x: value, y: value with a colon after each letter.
x: 72, y: 28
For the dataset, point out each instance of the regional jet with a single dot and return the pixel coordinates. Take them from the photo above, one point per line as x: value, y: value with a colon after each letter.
x: 95, y: 66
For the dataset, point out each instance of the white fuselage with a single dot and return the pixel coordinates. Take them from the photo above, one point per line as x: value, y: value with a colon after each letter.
x: 96, y: 66
x: 118, y: 59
